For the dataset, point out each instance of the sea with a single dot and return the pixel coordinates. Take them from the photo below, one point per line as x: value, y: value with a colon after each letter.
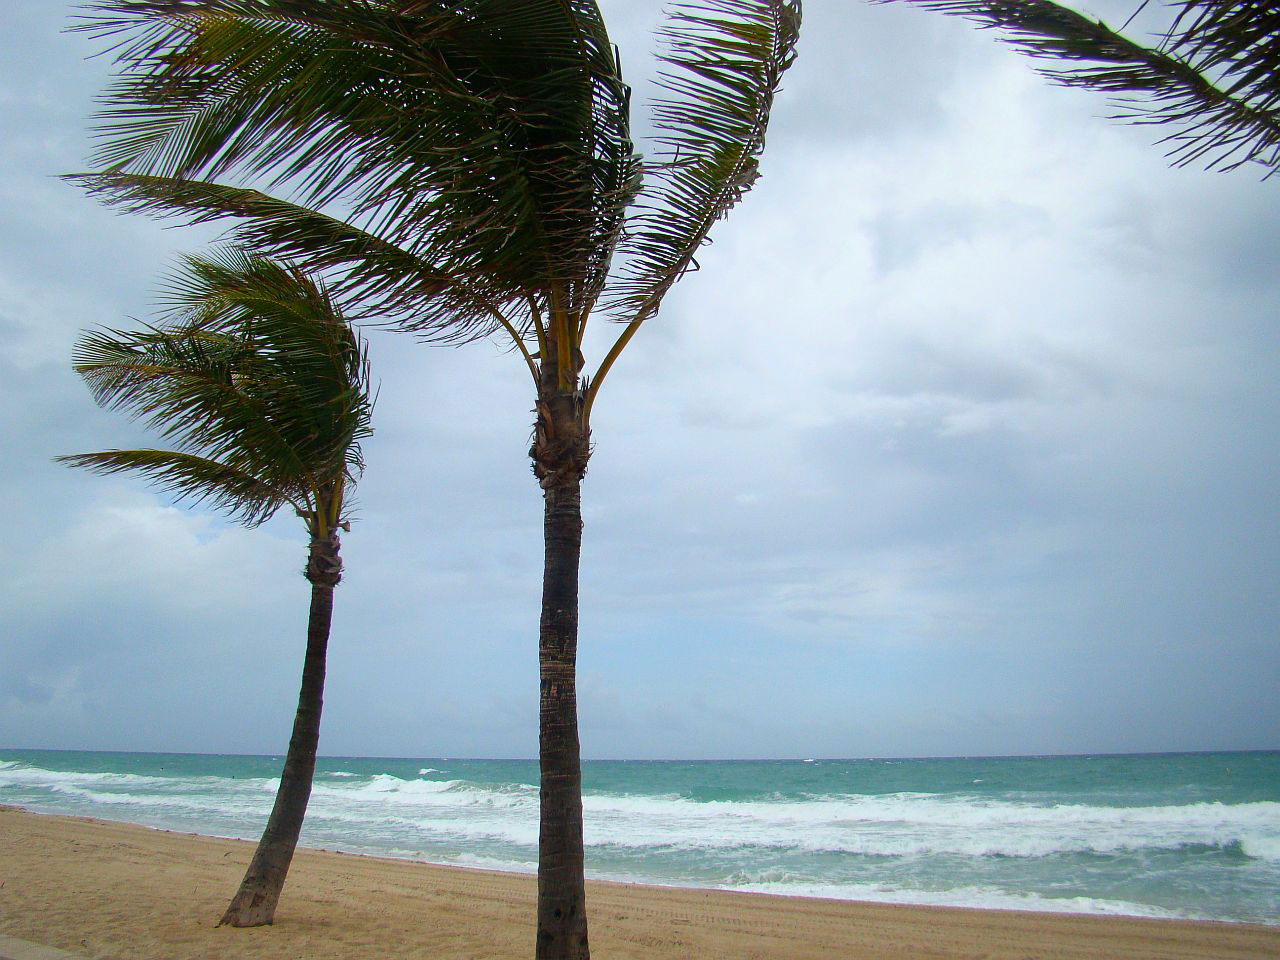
x: 1192, y: 835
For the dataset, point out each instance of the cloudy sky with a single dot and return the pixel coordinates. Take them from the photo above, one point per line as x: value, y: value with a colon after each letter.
x: 962, y: 441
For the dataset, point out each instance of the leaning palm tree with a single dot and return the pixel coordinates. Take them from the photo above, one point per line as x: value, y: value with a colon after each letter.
x: 262, y: 389
x: 466, y: 169
x: 1213, y: 74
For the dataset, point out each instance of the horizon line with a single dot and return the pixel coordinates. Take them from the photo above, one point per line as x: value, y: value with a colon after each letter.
x: 795, y: 759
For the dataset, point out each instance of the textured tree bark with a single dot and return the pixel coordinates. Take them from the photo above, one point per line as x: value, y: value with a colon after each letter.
x: 562, y: 900
x: 560, y: 457
x: 254, y: 904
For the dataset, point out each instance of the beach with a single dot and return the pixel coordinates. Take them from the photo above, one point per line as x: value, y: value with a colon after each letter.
x: 111, y: 890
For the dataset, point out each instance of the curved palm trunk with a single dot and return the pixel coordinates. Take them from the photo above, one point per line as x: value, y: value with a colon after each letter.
x: 560, y: 457
x: 254, y: 904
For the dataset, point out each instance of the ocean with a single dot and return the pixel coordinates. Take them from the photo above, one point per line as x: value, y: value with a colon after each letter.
x: 1160, y: 835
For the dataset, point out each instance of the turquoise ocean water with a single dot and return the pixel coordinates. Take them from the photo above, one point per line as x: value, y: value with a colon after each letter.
x: 1179, y: 835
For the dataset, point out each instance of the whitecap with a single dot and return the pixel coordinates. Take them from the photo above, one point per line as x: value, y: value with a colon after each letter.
x: 908, y: 825
x: 1261, y: 847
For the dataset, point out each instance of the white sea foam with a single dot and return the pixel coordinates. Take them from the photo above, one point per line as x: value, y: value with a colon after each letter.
x: 386, y: 783
x: 913, y: 824
x: 506, y: 865
x: 21, y: 773
x: 225, y: 807
x: 440, y: 794
x: 892, y: 825
x: 897, y: 825
x: 1262, y: 847
x: 989, y: 898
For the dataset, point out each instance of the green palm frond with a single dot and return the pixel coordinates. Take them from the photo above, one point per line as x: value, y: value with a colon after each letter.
x: 371, y: 277
x: 723, y: 62
x: 189, y: 388
x: 467, y: 134
x: 454, y: 169
x: 245, y: 498
x: 255, y: 371
x: 613, y: 176
x: 1215, y: 76
x: 298, y: 356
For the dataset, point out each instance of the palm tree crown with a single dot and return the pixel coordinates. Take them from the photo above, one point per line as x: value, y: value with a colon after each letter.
x: 257, y: 382
x: 459, y: 167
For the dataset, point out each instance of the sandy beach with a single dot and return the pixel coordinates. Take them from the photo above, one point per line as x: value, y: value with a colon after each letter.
x: 111, y: 890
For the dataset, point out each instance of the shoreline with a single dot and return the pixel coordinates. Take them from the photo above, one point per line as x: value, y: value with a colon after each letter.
x: 105, y: 889
x: 1154, y: 914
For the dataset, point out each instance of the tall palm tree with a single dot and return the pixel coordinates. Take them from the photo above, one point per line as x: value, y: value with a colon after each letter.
x: 1214, y: 73
x: 262, y: 388
x: 467, y: 169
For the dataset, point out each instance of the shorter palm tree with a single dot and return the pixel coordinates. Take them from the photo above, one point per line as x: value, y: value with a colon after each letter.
x: 262, y: 389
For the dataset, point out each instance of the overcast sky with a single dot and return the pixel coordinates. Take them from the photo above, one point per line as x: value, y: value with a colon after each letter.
x: 962, y: 441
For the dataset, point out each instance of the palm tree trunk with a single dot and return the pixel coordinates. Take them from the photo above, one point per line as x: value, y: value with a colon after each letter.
x: 562, y: 920
x: 560, y: 457
x: 254, y: 904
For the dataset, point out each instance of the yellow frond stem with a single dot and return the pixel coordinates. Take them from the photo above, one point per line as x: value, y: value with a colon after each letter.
x: 538, y: 326
x: 562, y: 333
x: 335, y: 510
x: 319, y: 522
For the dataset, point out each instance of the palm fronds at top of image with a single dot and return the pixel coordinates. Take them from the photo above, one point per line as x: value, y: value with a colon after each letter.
x: 454, y: 169
x: 1213, y: 74
x: 722, y: 62
x: 255, y: 380
x: 475, y: 138
x: 369, y: 276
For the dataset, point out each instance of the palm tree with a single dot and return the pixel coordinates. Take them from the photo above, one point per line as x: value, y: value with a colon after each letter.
x: 1214, y: 74
x: 262, y: 388
x: 466, y: 169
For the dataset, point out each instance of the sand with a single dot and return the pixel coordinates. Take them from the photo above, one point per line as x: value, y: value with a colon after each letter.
x: 112, y: 890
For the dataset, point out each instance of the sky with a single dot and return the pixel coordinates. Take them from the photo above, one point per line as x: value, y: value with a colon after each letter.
x: 962, y: 441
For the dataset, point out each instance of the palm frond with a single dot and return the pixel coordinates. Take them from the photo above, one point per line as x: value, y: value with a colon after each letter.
x: 298, y: 356
x: 243, y: 497
x: 1215, y: 76
x: 612, y: 169
x: 373, y: 279
x: 723, y: 62
x: 256, y: 370
x: 468, y: 134
x: 187, y: 387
